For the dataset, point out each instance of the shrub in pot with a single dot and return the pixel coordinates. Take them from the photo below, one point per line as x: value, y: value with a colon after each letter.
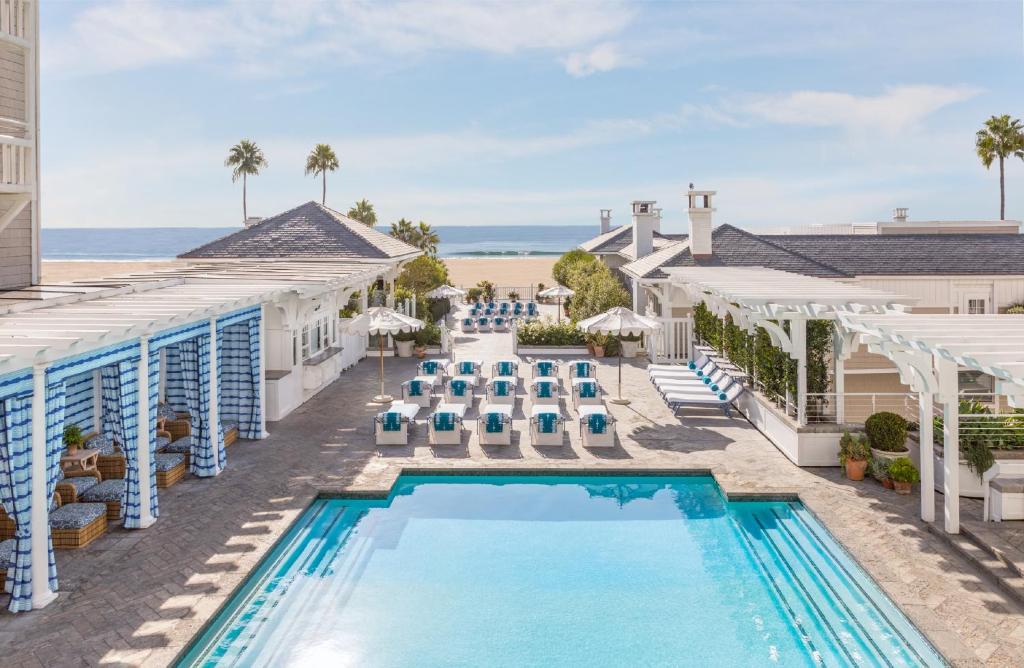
x: 513, y: 295
x: 854, y: 454
x: 630, y: 344
x: 599, y: 341
x: 404, y: 342
x: 473, y: 295
x: 73, y: 438
x: 887, y: 435
x: 903, y: 474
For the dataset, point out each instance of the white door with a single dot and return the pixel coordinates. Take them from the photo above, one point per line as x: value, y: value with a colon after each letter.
x: 975, y: 302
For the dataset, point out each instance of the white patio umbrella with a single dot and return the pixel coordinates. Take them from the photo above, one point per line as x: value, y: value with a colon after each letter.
x: 381, y: 320
x: 620, y: 321
x: 557, y: 291
x: 445, y: 292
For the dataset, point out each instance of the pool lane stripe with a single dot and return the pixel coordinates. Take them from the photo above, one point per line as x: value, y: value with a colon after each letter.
x: 780, y: 595
x: 855, y: 579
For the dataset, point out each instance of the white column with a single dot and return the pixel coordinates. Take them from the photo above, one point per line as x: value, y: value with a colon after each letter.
x: 97, y: 402
x: 926, y: 441
x: 798, y: 335
x: 840, y: 383
x: 214, y: 415
x: 946, y: 371
x: 389, y: 301
x: 264, y: 351
x: 40, y: 519
x: 146, y: 518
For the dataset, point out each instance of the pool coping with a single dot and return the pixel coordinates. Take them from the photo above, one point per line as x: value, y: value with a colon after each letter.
x: 364, y: 494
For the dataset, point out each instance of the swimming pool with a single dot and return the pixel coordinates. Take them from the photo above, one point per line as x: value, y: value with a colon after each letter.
x: 526, y: 571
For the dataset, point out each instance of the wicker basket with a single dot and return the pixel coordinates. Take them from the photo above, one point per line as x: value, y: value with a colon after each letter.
x: 179, y: 428
x: 7, y: 525
x: 71, y: 539
x: 167, y: 478
x: 112, y: 466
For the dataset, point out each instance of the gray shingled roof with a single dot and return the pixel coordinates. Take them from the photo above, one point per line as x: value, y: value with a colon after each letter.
x: 733, y: 247
x: 307, y: 231
x: 620, y: 240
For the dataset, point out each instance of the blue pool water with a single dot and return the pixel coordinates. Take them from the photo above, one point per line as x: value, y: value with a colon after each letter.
x: 529, y: 571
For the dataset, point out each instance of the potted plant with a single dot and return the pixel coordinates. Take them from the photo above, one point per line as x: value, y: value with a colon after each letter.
x: 430, y: 334
x: 854, y: 454
x: 404, y: 342
x: 599, y: 341
x: 630, y: 344
x: 513, y: 296
x: 540, y: 288
x: 879, y: 470
x: 887, y: 435
x: 903, y: 474
x: 73, y: 438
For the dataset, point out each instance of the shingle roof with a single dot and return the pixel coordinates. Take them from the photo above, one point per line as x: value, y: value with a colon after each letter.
x: 610, y: 242
x: 908, y: 254
x: 309, y: 230
x: 733, y: 247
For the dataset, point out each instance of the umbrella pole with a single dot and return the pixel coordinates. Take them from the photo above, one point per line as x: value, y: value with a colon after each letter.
x: 559, y: 308
x: 381, y: 398
x: 619, y: 399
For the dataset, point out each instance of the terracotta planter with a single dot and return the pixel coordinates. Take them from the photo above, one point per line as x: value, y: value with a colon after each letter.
x: 888, y: 457
x: 72, y: 448
x: 598, y: 351
x: 855, y: 468
x: 590, y: 348
x: 421, y: 352
x: 887, y: 483
x: 902, y: 487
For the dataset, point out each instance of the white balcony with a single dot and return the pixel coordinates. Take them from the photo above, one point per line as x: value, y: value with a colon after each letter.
x: 16, y: 172
x: 14, y: 18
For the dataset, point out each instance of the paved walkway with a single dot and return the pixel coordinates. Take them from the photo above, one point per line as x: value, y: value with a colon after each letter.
x: 135, y: 598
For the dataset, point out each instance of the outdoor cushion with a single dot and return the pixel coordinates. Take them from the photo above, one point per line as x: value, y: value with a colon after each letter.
x: 182, y: 445
x: 501, y: 388
x: 545, y: 368
x: 467, y: 321
x: 429, y: 368
x: 506, y: 368
x: 483, y: 321
x: 228, y: 425
x: 391, y: 421
x: 165, y: 461
x: 415, y: 388
x: 458, y: 387
x: 582, y: 369
x: 499, y: 321
x: 1008, y: 484
x: 104, y: 444
x: 164, y: 410
x: 80, y: 483
x: 466, y: 368
x: 162, y: 442
x: 494, y: 424
x: 108, y: 490
x: 588, y: 390
x: 77, y: 515
x: 543, y: 390
x: 7, y: 553
x: 546, y: 422
x: 444, y: 421
x: 597, y: 422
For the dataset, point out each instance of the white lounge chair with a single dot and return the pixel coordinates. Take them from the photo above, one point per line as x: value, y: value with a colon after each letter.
x: 417, y: 391
x: 545, y: 369
x: 433, y: 368
x: 391, y: 427
x: 586, y: 391
x: 693, y: 364
x: 483, y: 324
x: 445, y: 424
x: 468, y: 325
x: 582, y: 369
x: 459, y: 390
x: 1003, y: 488
x: 500, y: 323
x: 597, y: 426
x: 544, y: 391
x: 676, y: 399
x: 505, y: 368
x: 717, y: 379
x: 466, y: 368
x: 684, y: 372
x: 501, y: 391
x: 547, y: 426
x: 494, y: 426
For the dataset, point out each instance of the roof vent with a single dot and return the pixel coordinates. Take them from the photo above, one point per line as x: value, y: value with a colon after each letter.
x: 253, y: 220
x: 899, y: 214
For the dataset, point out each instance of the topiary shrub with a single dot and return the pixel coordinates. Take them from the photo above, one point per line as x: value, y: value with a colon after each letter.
x: 886, y: 432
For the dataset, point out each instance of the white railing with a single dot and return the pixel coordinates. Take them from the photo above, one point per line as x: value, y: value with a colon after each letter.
x: 15, y: 163
x: 674, y: 342
x: 823, y: 407
x: 14, y: 17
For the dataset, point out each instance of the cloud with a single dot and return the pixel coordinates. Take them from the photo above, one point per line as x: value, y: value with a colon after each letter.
x: 898, y: 108
x: 602, y: 58
x: 276, y: 37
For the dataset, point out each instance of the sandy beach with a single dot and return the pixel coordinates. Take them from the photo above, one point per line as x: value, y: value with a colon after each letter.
x: 466, y: 272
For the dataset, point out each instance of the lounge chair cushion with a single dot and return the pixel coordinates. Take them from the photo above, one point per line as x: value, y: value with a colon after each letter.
x: 1008, y: 484
x: 164, y: 411
x: 104, y: 444
x: 506, y: 368
x: 165, y: 461
x: 547, y: 422
x: 501, y: 388
x: 108, y: 490
x: 77, y: 515
x: 466, y: 369
x: 391, y: 421
x: 444, y: 421
x: 415, y: 388
x: 458, y: 387
x: 494, y: 423
x: 181, y: 446
x: 543, y: 390
x: 587, y: 390
x: 597, y: 423
x: 545, y: 368
x: 7, y: 553
x: 582, y: 369
x: 429, y: 367
x: 162, y: 442
x: 81, y: 484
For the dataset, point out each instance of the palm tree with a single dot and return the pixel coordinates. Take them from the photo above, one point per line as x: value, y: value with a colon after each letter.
x: 428, y: 239
x: 247, y: 160
x: 1002, y: 137
x: 320, y: 161
x: 404, y: 231
x: 363, y: 212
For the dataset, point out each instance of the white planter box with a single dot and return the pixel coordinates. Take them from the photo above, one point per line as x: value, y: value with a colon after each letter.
x: 806, y: 447
x: 552, y: 350
x: 630, y: 348
x: 970, y: 482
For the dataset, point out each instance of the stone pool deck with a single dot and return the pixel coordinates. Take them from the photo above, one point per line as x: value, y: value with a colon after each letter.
x: 138, y: 597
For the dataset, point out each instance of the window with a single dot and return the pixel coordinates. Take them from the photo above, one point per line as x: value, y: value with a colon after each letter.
x: 975, y: 306
x: 305, y: 342
x: 318, y: 335
x: 295, y: 348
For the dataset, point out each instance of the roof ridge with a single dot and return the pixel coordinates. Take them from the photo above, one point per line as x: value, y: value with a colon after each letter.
x: 362, y: 229
x: 761, y: 238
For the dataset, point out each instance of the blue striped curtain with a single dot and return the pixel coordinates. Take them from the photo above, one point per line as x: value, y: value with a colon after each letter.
x: 16, y: 493
x: 55, y: 397
x: 110, y: 403
x: 174, y: 385
x: 128, y: 410
x: 154, y: 398
x: 78, y: 410
x: 252, y: 427
x: 207, y: 439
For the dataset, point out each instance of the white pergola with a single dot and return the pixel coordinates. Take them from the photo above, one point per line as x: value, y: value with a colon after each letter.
x: 928, y: 349
x: 759, y: 297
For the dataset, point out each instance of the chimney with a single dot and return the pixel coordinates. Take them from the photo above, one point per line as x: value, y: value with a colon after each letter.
x: 700, y: 222
x: 606, y: 220
x: 253, y: 220
x: 899, y: 215
x: 645, y: 221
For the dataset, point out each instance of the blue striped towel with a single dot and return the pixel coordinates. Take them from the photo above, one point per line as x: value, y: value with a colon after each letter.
x: 466, y: 368
x: 546, y: 422
x: 501, y: 388
x: 415, y: 388
x: 392, y: 421
x: 597, y: 423
x: 545, y: 368
x: 544, y: 390
x: 506, y: 368
x: 458, y: 387
x: 494, y: 423
x: 444, y: 421
x: 588, y: 390
x: 467, y: 321
x: 429, y: 368
x: 582, y: 369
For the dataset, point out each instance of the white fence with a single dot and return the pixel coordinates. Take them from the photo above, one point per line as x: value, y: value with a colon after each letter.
x: 675, y: 340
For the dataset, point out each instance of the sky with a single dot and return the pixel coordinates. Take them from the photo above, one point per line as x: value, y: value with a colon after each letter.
x: 462, y: 113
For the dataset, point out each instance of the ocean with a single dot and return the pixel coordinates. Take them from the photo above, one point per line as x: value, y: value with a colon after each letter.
x: 161, y: 243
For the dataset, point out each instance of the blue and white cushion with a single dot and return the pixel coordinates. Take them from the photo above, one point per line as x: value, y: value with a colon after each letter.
x: 181, y: 446
x: 7, y: 553
x: 105, y: 444
x: 81, y: 484
x: 108, y: 490
x: 77, y: 515
x: 165, y: 461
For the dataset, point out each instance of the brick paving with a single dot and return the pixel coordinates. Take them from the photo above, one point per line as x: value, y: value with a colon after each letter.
x: 138, y: 597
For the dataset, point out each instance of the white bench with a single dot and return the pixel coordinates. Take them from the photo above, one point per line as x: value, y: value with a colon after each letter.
x: 578, y: 401
x: 446, y: 437
x: 552, y: 386
x: 538, y: 437
x: 605, y: 439
x: 407, y: 413
x: 502, y: 437
x: 1003, y: 487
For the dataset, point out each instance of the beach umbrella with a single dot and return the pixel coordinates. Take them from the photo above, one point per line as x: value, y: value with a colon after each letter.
x: 558, y: 291
x: 445, y: 292
x: 620, y: 321
x: 380, y: 321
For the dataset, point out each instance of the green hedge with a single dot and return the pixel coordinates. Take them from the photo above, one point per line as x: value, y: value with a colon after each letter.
x: 539, y: 333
